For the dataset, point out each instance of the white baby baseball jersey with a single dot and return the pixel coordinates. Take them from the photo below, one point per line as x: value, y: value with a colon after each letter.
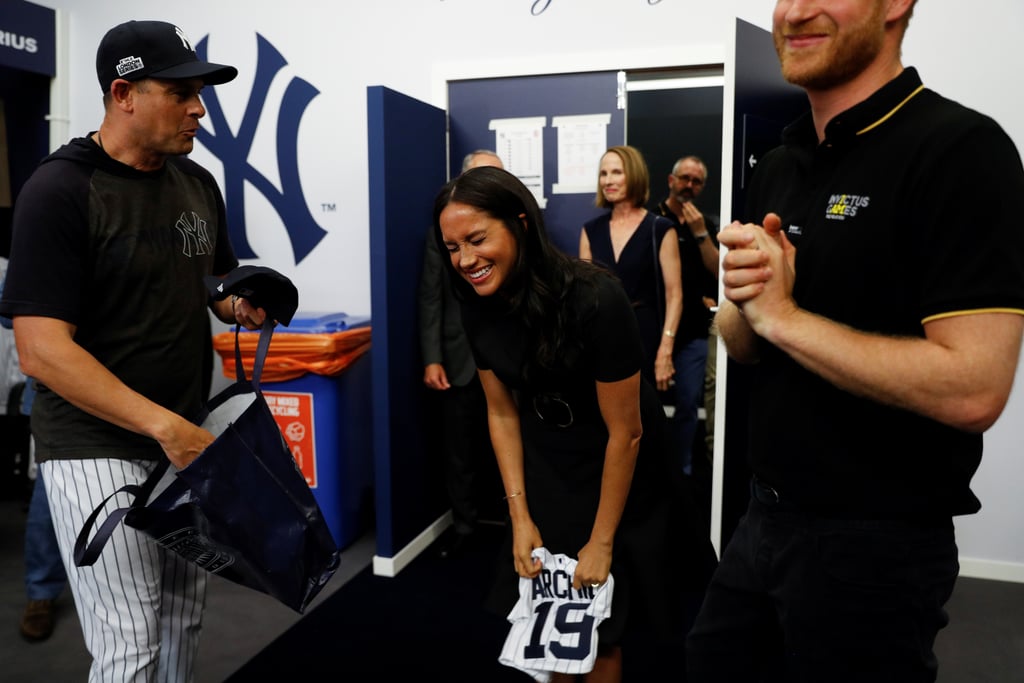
x: 554, y: 626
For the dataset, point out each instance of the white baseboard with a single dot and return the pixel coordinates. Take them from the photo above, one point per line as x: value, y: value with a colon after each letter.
x: 992, y: 570
x: 390, y: 566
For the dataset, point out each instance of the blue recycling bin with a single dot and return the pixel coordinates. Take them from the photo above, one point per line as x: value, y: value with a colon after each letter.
x: 325, y: 421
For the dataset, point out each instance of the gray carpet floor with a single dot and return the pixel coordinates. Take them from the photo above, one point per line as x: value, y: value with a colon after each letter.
x: 983, y: 644
x: 237, y: 623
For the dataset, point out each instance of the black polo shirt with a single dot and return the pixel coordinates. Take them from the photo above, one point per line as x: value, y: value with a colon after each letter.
x: 906, y: 212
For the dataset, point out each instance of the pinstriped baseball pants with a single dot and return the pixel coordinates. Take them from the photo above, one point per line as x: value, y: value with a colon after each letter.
x: 140, y: 606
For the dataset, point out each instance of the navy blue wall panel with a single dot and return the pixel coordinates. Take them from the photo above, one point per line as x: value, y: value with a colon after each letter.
x: 473, y: 103
x: 406, y: 170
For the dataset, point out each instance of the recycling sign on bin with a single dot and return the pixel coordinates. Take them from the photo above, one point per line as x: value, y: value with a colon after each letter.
x: 293, y: 412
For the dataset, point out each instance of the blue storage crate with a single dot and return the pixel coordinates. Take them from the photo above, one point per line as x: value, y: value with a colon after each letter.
x: 325, y: 421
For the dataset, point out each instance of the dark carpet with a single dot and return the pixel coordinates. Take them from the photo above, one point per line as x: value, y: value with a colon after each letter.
x: 428, y: 622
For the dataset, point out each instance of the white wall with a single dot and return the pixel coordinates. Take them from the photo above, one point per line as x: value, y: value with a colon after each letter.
x: 414, y: 45
x: 975, y: 68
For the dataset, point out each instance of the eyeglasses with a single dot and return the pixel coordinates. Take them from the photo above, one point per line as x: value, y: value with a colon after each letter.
x: 552, y: 410
x: 696, y: 182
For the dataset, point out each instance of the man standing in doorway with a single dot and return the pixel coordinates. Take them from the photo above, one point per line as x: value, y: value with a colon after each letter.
x: 884, y: 314
x: 698, y: 253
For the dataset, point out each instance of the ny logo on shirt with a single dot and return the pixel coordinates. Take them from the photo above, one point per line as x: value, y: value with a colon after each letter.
x: 194, y: 236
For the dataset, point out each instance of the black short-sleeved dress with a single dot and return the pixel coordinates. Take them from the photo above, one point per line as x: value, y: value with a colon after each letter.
x: 564, y: 441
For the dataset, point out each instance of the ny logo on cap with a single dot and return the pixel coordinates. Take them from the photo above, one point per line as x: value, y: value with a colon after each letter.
x: 184, y: 40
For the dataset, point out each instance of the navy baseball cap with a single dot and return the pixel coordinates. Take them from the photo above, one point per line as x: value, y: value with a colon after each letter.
x: 153, y: 49
x: 264, y: 288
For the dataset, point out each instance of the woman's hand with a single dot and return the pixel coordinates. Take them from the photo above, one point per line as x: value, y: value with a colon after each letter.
x: 663, y: 368
x: 526, y: 537
x: 593, y: 565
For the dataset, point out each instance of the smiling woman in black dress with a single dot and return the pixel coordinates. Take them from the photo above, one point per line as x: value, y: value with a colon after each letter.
x: 577, y: 433
x: 641, y: 248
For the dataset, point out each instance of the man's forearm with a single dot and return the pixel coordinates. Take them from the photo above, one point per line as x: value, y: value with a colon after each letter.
x: 741, y: 342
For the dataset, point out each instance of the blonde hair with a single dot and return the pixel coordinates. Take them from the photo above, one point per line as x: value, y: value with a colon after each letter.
x: 638, y: 179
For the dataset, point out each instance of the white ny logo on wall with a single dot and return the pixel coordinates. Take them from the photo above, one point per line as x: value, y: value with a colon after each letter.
x: 233, y: 148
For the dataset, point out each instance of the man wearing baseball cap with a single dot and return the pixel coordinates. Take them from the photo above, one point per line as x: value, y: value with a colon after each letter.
x: 112, y: 237
x: 153, y: 49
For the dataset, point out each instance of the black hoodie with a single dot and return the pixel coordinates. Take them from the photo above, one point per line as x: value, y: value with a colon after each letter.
x: 120, y: 254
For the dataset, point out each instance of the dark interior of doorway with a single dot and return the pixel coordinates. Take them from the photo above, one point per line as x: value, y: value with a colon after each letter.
x: 666, y: 124
x: 26, y: 99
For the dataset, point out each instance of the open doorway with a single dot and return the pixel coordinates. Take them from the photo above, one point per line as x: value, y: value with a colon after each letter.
x: 674, y: 113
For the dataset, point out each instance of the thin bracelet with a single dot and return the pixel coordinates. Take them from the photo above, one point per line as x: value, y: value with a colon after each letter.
x: 513, y: 495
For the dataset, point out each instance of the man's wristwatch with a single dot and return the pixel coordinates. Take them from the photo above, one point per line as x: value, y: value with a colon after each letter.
x: 700, y: 238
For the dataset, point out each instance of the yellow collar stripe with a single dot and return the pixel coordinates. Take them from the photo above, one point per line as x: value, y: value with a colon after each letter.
x: 955, y: 314
x: 894, y: 110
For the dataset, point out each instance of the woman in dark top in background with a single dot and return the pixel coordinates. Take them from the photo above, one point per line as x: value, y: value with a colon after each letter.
x: 576, y: 431
x: 631, y: 242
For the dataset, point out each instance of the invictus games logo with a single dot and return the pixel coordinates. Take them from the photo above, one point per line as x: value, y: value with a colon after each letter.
x: 128, y: 65
x: 843, y: 206
x: 233, y: 148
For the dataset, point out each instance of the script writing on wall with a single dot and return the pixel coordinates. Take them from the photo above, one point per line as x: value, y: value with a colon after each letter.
x: 538, y: 7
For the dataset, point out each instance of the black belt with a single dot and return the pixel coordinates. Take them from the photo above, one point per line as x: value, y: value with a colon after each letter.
x: 768, y: 496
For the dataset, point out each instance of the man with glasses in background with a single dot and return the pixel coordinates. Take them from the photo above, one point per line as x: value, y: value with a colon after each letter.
x: 698, y: 254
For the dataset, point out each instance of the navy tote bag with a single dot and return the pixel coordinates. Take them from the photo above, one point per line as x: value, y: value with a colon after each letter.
x: 241, y: 510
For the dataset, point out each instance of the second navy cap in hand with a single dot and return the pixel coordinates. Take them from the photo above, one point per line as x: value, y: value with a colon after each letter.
x: 264, y: 288
x: 153, y: 49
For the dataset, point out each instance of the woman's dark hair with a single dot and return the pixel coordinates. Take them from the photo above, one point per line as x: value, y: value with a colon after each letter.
x: 543, y: 276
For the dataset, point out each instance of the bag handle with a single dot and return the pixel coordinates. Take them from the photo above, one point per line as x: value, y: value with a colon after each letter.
x: 262, y: 348
x: 86, y: 551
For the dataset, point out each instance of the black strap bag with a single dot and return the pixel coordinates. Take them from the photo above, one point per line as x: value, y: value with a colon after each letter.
x: 241, y: 510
